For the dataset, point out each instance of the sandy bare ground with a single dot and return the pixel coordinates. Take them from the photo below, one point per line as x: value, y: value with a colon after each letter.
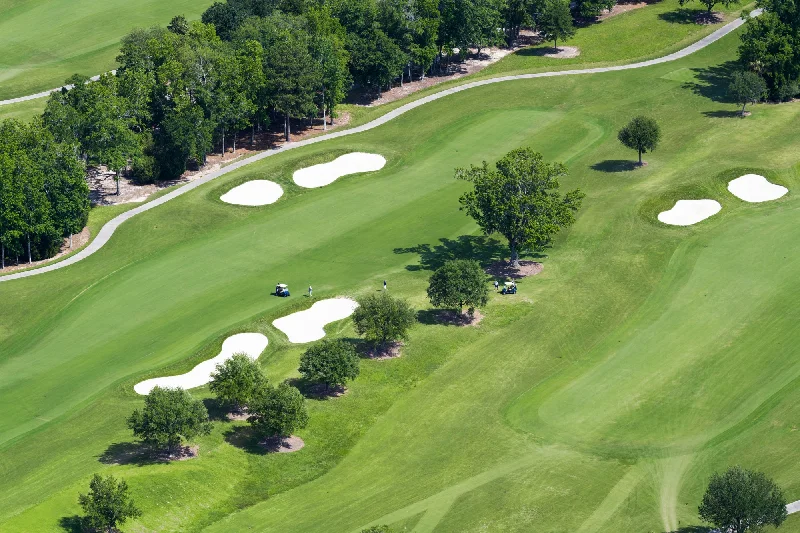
x: 564, y: 52
x: 284, y: 444
x: 619, y: 9
x: 389, y: 350
x: 504, y: 270
x: 453, y: 318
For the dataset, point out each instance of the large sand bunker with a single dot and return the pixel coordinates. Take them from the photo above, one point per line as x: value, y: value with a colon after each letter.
x: 688, y: 212
x: 327, y: 173
x: 253, y: 193
x: 307, y: 326
x: 755, y: 188
x: 251, y: 344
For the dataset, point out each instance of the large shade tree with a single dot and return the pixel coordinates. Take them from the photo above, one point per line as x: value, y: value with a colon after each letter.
x: 332, y: 362
x: 520, y: 200
x: 236, y: 381
x: 641, y: 134
x: 459, y: 283
x: 381, y: 318
x: 107, y: 504
x: 169, y: 416
x: 741, y: 500
x: 278, y: 411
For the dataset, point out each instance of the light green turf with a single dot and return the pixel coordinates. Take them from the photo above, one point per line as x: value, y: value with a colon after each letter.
x: 46, y: 41
x: 599, y: 399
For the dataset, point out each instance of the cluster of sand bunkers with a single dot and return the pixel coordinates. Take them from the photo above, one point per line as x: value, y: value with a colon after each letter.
x: 750, y: 188
x: 265, y: 192
x: 303, y: 326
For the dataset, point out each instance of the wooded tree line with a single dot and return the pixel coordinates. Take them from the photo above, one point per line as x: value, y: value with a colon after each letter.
x: 43, y: 193
x: 770, y: 47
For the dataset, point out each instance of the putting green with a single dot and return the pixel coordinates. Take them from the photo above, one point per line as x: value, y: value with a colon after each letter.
x: 600, y: 398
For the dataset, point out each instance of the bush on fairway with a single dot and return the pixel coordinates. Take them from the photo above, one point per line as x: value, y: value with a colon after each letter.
x: 458, y: 283
x: 641, y: 134
x: 168, y: 417
x: 332, y: 362
x: 742, y: 500
x: 377, y: 529
x: 747, y: 88
x: 278, y: 411
x: 503, y: 200
x: 381, y: 319
x: 237, y: 380
x: 107, y: 504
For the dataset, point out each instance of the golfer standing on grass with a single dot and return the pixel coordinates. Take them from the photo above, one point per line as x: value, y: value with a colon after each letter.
x: 496, y: 284
x: 384, y: 284
x: 309, y: 291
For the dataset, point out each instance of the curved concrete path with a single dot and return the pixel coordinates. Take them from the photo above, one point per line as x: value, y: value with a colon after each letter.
x: 47, y: 93
x: 108, y: 230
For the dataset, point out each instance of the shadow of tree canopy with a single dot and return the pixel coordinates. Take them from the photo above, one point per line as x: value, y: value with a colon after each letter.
x: 314, y: 390
x: 217, y: 411
x: 131, y: 453
x: 71, y: 524
x: 615, y: 165
x: 712, y: 82
x: 483, y: 249
x: 690, y: 15
x: 693, y: 529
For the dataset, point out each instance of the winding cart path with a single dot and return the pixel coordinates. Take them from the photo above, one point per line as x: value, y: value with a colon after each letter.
x: 110, y: 227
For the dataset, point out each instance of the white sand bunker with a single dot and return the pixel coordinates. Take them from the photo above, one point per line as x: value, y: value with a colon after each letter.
x: 755, y: 188
x: 306, y: 326
x: 327, y: 173
x: 688, y: 212
x: 251, y: 344
x: 253, y: 193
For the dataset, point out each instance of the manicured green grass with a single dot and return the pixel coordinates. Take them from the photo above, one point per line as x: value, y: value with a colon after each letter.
x: 600, y: 398
x: 23, y: 111
x: 46, y: 41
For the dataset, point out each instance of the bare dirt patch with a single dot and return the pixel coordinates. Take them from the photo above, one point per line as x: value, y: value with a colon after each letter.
x: 564, y: 52
x: 504, y: 269
x: 236, y: 416
x: 288, y: 444
x: 709, y: 18
x: 618, y: 9
x: 389, y: 350
x: 79, y: 240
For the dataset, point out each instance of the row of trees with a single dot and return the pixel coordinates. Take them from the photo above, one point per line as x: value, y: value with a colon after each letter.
x: 43, y: 195
x: 770, y: 48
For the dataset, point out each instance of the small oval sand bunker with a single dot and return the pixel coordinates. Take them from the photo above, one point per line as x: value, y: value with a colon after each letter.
x: 307, y: 326
x: 251, y: 344
x: 754, y: 188
x: 327, y: 173
x: 688, y: 212
x: 253, y: 193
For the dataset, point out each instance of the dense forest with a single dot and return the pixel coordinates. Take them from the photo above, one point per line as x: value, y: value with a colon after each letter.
x: 187, y: 89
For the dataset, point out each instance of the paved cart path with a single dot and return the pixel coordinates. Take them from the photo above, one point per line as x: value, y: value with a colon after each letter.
x: 110, y: 227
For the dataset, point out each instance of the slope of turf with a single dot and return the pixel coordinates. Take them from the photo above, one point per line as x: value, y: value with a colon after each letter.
x: 46, y: 41
x: 599, y: 399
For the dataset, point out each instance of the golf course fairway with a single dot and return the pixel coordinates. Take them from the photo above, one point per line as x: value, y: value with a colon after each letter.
x: 600, y: 398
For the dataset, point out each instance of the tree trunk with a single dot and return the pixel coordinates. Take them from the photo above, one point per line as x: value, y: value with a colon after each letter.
x: 2, y: 256
x: 116, y: 178
x: 640, y: 157
x: 324, y: 119
x: 743, y: 106
x: 223, y: 142
x: 29, y: 249
x: 287, y: 128
x: 234, y: 144
x: 70, y: 240
x: 514, y: 254
x: 253, y: 135
x: 555, y: 44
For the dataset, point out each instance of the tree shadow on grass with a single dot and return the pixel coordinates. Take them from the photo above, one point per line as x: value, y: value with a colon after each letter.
x: 131, y: 453
x: 71, y: 524
x: 712, y: 82
x: 243, y: 438
x: 483, y: 249
x: 693, y: 529
x: 686, y: 15
x: 721, y: 113
x: 314, y: 390
x: 217, y: 411
x: 538, y: 51
x: 615, y: 165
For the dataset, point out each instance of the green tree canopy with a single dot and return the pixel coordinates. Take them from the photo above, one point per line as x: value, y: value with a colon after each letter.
x: 459, y: 283
x: 381, y: 318
x: 555, y: 21
x: 333, y: 362
x: 747, y: 88
x: 237, y: 380
x: 169, y: 416
x: 278, y: 411
x: 741, y: 500
x: 711, y: 3
x: 520, y: 200
x: 107, y: 504
x: 641, y: 134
